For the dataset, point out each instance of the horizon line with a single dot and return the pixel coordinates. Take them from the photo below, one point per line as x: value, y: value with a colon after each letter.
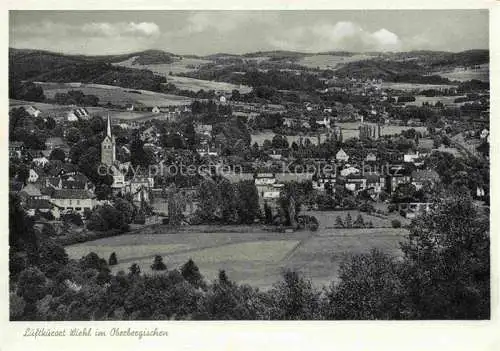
x: 329, y: 52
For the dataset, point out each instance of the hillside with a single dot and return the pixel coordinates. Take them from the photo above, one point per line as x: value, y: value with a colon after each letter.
x: 36, y: 65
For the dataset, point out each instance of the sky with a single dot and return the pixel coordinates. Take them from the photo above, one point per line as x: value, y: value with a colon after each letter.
x: 209, y: 32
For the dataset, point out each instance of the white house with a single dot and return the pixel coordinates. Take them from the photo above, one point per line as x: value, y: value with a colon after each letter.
x: 265, y: 179
x: 76, y: 200
x: 77, y: 113
x: 41, y: 161
x: 32, y: 111
x: 349, y: 171
x: 342, y: 156
x: 33, y: 176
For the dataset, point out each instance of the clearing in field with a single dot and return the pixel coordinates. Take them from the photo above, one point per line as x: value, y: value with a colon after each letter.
x: 256, y: 258
x: 327, y: 61
x: 186, y: 83
x: 164, y: 69
x: 414, y: 86
x: 116, y: 95
x: 462, y: 75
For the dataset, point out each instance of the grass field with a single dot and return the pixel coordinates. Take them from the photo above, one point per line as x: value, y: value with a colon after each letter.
x: 186, y: 83
x: 446, y: 100
x: 414, y: 86
x: 256, y: 257
x: 330, y: 61
x: 483, y: 74
x: 116, y: 95
x: 56, y: 111
x: 178, y: 66
x: 349, y: 130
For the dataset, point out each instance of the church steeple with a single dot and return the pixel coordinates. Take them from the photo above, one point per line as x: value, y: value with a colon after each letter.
x: 108, y: 152
x: 108, y: 133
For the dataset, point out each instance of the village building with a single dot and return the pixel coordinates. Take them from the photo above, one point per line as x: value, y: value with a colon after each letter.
x: 32, y: 111
x: 77, y: 114
x: 33, y: 176
x: 341, y: 156
x: 41, y: 161
x: 371, y: 157
x: 16, y: 149
x: 76, y: 200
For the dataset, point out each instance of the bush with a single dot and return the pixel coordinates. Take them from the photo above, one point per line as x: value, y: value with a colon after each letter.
x: 366, y: 207
x: 158, y: 264
x: 396, y: 223
x: 359, y: 222
x: 392, y: 207
x: 338, y: 222
x: 112, y: 259
x: 73, y: 218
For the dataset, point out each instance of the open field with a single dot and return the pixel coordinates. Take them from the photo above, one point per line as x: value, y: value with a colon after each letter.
x: 56, y: 111
x: 414, y: 86
x: 446, y: 100
x: 186, y: 83
x: 256, y: 258
x: 179, y: 66
x: 330, y: 61
x: 60, y: 112
x: 349, y: 130
x: 116, y: 95
x: 460, y: 74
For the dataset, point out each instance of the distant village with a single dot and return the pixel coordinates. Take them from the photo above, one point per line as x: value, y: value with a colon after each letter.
x: 356, y: 160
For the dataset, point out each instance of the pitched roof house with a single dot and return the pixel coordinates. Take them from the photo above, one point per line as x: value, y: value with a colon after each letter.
x: 342, y: 156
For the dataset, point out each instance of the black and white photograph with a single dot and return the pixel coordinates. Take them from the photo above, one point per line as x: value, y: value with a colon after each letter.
x: 242, y: 165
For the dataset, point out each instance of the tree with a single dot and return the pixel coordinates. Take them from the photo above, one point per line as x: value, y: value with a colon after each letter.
x: 359, y: 222
x: 348, y: 220
x: 126, y: 207
x: 338, y: 222
x: 447, y: 260
x: 23, y: 173
x: 191, y: 273
x: 176, y: 205
x: 369, y: 287
x: 294, y: 298
x: 134, y: 269
x: 228, y: 201
x: 32, y: 285
x: 105, y: 218
x: 72, y: 135
x: 22, y: 236
x: 190, y: 135
x: 58, y: 154
x: 50, y: 123
x: 112, y: 259
x: 404, y: 192
x: 30, y: 92
x: 268, y: 213
x: 209, y: 200
x: 395, y: 223
x: 290, y: 202
x: 247, y: 201
x: 139, y: 156
x: 158, y: 264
